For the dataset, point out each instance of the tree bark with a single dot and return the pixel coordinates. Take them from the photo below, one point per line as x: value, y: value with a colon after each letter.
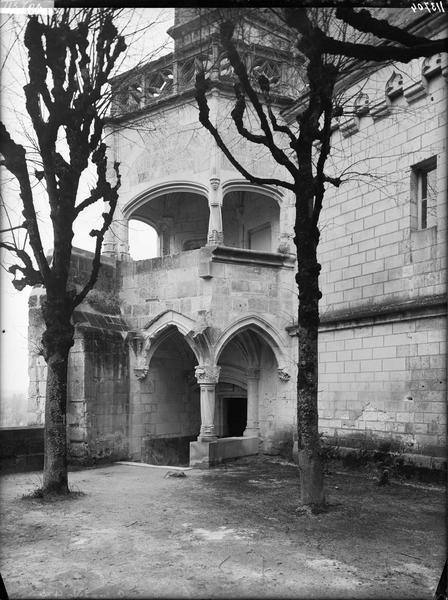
x: 57, y: 341
x: 310, y: 464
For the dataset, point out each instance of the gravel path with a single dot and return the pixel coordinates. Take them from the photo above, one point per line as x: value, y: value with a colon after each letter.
x: 231, y: 532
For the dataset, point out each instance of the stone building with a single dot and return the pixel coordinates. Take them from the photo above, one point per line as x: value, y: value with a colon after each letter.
x: 191, y: 355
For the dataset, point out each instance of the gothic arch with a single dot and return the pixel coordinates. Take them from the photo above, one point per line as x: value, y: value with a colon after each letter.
x: 258, y: 325
x: 195, y: 334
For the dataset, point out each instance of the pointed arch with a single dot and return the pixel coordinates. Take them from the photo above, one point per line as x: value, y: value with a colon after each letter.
x: 261, y: 327
x: 160, y: 328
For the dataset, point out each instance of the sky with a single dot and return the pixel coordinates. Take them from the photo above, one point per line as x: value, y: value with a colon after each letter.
x: 145, y: 44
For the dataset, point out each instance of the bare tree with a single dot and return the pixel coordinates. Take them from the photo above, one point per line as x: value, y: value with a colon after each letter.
x: 71, y: 56
x: 322, y: 41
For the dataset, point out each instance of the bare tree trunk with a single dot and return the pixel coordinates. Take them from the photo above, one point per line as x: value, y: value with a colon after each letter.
x: 57, y: 340
x: 310, y: 465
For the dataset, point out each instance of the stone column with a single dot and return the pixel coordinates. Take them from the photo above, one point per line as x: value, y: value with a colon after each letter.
x: 215, y: 233
x: 165, y: 229
x: 207, y: 377
x: 116, y: 240
x: 109, y: 247
x: 252, y: 426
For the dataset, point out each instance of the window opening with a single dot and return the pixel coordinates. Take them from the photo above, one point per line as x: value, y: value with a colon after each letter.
x: 426, y: 179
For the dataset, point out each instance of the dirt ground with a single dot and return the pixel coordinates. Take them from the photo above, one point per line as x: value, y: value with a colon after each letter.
x: 231, y: 532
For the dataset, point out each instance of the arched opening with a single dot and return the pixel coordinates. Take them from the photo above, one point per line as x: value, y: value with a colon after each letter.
x: 143, y: 240
x: 250, y: 220
x: 173, y: 402
x: 248, y: 376
x: 180, y: 218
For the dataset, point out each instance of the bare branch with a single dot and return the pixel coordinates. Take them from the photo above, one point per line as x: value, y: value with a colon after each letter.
x: 204, y: 118
x: 14, y: 159
x: 110, y: 195
x: 23, y: 226
x: 363, y: 21
x: 240, y: 70
x: 282, y: 128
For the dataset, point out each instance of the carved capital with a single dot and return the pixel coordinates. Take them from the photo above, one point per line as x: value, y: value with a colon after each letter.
x: 207, y: 374
x: 214, y: 183
x: 283, y: 374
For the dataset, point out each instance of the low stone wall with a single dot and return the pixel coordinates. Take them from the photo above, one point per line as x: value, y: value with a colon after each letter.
x: 173, y: 451
x: 21, y: 449
x: 402, y: 465
x: 210, y: 454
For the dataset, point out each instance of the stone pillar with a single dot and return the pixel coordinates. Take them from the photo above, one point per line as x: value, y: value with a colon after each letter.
x: 207, y: 377
x: 215, y: 233
x: 252, y: 427
x: 165, y: 228
x: 116, y: 239
x: 109, y: 246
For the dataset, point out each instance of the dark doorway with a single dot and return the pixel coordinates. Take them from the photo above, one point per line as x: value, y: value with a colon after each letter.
x: 236, y: 414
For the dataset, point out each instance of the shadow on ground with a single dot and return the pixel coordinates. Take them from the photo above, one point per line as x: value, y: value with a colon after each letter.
x: 230, y: 532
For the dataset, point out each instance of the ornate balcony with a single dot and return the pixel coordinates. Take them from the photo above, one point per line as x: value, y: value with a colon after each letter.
x: 171, y: 75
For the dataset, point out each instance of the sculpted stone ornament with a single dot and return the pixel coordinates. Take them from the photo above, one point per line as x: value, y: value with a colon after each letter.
x: 207, y: 374
x: 283, y: 375
x: 208, y: 431
x: 141, y: 364
x: 141, y: 372
x: 214, y: 183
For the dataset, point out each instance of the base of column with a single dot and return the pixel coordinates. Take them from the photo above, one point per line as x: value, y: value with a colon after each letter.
x: 207, y: 438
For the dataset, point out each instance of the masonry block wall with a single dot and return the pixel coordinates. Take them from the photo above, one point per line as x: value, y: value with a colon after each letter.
x: 106, y: 397
x: 164, y: 406
x: 98, y: 397
x: 383, y: 339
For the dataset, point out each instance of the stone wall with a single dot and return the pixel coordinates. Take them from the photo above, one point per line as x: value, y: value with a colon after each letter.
x: 383, y: 339
x: 164, y: 405
x: 99, y: 418
x: 98, y: 395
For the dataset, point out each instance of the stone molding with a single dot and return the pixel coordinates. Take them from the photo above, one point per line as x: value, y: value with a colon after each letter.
x: 253, y: 373
x: 417, y: 308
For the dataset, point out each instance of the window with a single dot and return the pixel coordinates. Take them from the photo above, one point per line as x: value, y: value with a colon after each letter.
x: 425, y: 186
